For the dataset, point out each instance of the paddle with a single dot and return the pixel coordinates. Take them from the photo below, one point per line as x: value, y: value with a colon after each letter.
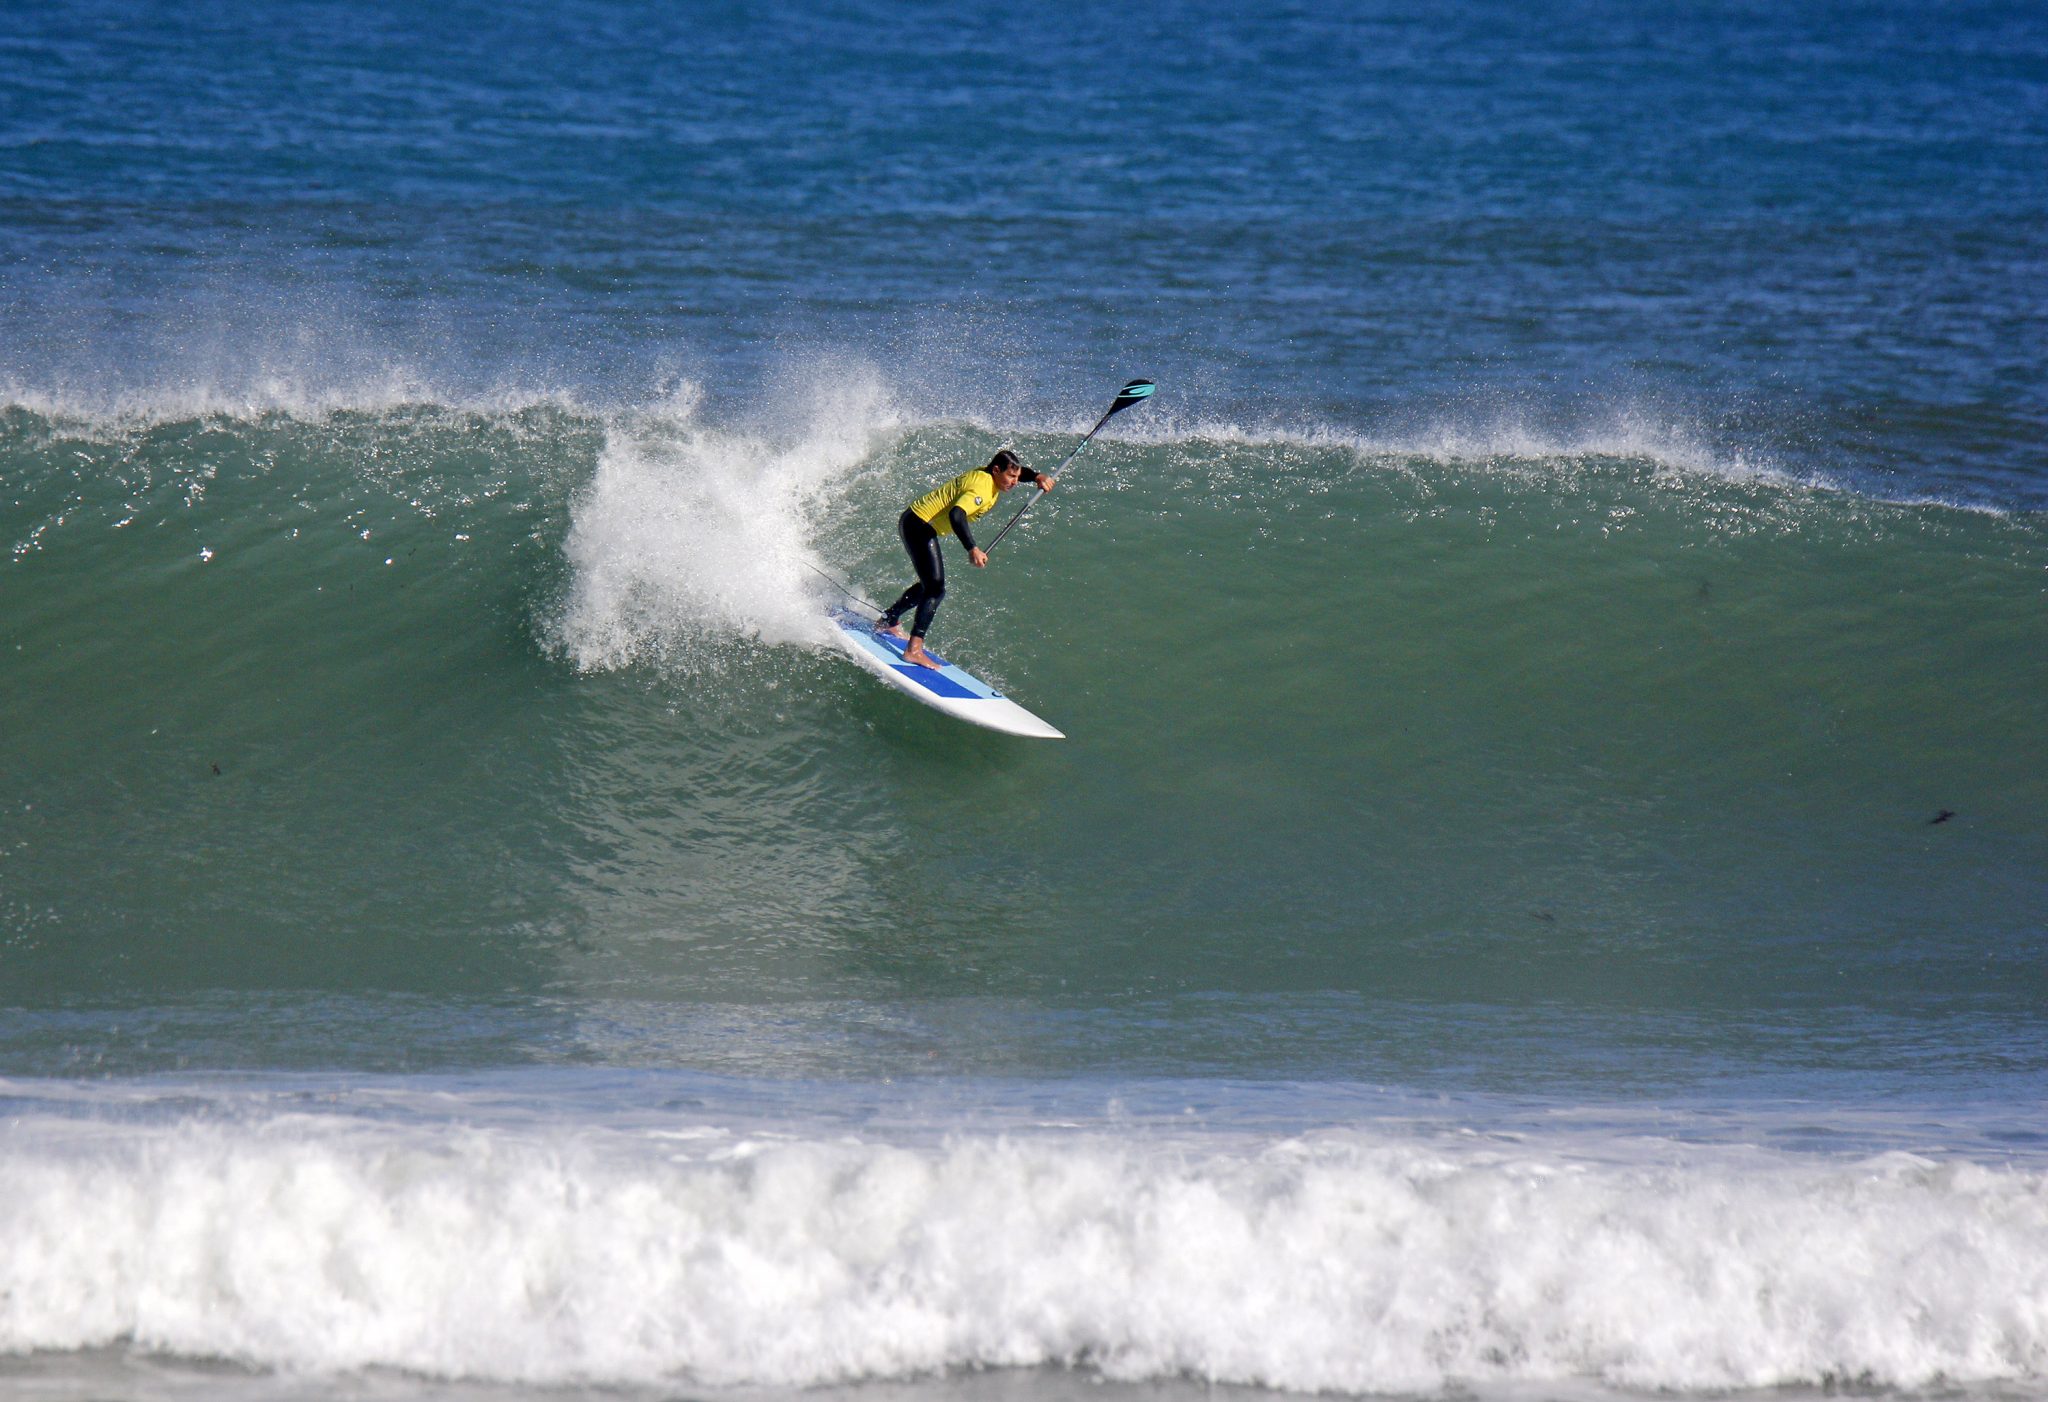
x: 1136, y: 392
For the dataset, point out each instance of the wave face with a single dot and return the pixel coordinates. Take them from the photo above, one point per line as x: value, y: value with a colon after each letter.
x: 459, y: 698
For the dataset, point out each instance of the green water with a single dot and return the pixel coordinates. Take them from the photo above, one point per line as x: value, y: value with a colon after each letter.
x: 524, y: 703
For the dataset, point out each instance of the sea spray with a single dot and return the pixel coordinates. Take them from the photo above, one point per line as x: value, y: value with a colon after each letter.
x: 692, y: 534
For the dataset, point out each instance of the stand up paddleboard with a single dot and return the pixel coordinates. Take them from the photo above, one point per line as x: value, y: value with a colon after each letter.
x: 954, y: 690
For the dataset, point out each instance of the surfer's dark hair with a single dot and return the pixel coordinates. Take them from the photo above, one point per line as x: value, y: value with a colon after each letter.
x: 1004, y: 458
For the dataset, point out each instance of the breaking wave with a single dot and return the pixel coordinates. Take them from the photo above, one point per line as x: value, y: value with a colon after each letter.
x: 709, y: 1253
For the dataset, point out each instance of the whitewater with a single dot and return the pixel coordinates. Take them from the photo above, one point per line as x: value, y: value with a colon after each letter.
x: 495, y: 1229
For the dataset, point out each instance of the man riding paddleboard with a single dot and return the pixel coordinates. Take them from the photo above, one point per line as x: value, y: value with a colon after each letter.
x: 948, y: 510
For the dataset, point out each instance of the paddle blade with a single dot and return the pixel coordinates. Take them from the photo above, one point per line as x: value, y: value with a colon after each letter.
x: 1136, y: 392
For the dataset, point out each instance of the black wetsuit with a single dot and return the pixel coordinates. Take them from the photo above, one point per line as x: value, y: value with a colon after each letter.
x: 921, y: 543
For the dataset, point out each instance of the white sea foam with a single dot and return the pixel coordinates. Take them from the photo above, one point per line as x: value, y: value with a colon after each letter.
x: 718, y: 1254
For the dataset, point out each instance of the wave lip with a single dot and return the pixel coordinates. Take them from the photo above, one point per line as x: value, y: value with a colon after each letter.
x: 392, y: 390
x: 1341, y: 1261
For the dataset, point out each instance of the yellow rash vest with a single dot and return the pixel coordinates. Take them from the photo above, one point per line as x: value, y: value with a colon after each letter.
x: 973, y: 492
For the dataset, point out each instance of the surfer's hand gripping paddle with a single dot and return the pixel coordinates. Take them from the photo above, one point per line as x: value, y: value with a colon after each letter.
x: 1136, y: 392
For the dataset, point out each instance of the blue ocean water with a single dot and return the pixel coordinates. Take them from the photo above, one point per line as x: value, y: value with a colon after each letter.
x: 1543, y: 895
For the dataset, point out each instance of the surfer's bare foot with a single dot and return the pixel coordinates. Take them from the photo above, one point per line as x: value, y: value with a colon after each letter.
x: 891, y: 630
x: 916, y: 653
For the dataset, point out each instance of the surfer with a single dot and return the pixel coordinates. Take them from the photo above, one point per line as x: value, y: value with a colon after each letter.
x: 947, y: 510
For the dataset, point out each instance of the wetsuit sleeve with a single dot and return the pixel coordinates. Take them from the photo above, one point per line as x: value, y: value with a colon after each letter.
x: 1027, y: 474
x: 959, y: 520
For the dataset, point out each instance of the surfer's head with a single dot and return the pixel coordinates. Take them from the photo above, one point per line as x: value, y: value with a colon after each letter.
x: 1006, y: 467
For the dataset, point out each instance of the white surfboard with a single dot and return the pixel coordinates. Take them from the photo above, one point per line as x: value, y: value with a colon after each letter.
x: 954, y: 690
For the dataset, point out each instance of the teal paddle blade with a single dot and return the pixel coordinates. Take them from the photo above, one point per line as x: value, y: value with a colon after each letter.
x: 1137, y: 391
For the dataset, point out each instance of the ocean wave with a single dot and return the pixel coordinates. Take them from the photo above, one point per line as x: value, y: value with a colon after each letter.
x: 865, y: 404
x: 848, y: 399
x: 709, y: 1253
x: 669, y: 533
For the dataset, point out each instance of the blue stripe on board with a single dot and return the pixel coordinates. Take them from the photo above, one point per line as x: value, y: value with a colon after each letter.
x: 937, y: 682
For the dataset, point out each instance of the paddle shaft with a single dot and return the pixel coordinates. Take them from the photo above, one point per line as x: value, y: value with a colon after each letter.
x: 1054, y: 473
